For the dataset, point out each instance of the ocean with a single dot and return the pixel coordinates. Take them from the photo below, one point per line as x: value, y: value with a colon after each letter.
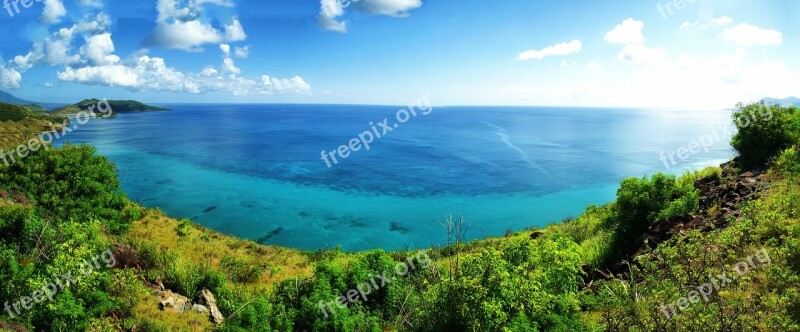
x: 257, y: 172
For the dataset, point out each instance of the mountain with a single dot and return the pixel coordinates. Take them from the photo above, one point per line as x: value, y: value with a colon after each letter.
x: 117, y: 106
x: 8, y: 98
x: 790, y: 101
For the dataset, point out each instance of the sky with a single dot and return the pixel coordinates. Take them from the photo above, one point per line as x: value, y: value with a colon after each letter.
x: 683, y: 54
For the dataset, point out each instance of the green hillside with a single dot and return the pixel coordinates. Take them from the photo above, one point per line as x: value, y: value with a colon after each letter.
x: 117, y: 106
x: 713, y: 250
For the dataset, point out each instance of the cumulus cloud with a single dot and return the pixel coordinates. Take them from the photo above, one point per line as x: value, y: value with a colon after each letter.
x: 565, y: 48
x: 748, y: 35
x: 242, y: 52
x: 9, y: 78
x: 53, y: 11
x: 99, y: 48
x: 152, y: 73
x: 93, y: 60
x: 184, y: 27
x: 627, y: 32
x: 57, y: 48
x: 331, y: 10
x: 287, y: 85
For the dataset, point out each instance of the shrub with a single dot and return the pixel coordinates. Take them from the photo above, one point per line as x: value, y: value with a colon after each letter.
x: 70, y: 183
x: 764, y: 131
x: 642, y: 202
x: 788, y: 162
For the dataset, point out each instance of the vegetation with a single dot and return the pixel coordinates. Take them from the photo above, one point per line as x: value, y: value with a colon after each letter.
x: 118, y: 106
x: 764, y: 131
x: 17, y: 113
x: 18, y: 124
x: 60, y: 207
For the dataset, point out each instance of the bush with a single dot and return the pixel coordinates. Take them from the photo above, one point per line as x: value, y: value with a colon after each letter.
x: 642, y: 202
x: 764, y: 131
x: 70, y: 183
x: 788, y: 162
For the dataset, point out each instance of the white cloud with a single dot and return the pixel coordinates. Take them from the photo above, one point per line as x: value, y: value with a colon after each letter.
x: 94, y: 62
x: 228, y: 66
x: 99, y: 49
x: 242, y: 52
x: 57, y: 49
x: 184, y: 28
x: 638, y: 53
x: 627, y: 32
x: 235, y: 31
x: 328, y: 13
x: 565, y: 48
x: 396, y: 8
x: 287, y: 85
x: 331, y: 10
x: 53, y: 11
x: 92, y: 3
x: 685, y: 82
x: 748, y: 35
x: 724, y: 20
x: 9, y: 78
x: 152, y: 74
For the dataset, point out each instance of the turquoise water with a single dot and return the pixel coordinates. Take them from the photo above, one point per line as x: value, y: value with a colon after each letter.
x: 255, y: 171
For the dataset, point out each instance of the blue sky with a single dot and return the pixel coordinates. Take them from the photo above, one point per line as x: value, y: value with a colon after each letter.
x: 688, y: 54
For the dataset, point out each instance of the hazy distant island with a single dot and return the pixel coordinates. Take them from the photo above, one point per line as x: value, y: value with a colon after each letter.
x: 789, y: 101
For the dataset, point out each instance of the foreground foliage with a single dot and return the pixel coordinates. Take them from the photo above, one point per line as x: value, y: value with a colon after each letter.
x: 60, y: 207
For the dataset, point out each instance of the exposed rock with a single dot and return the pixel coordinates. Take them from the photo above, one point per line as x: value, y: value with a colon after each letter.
x: 535, y: 235
x: 128, y: 258
x: 176, y: 302
x: 720, y: 202
x: 207, y: 298
x: 200, y: 308
x: 158, y: 284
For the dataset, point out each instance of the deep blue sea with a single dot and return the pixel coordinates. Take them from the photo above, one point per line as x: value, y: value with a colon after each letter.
x: 255, y: 171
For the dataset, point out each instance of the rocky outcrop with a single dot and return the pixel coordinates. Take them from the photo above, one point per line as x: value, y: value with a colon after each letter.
x: 175, y: 302
x: 128, y: 258
x: 720, y: 202
x: 208, y: 299
x: 206, y: 303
